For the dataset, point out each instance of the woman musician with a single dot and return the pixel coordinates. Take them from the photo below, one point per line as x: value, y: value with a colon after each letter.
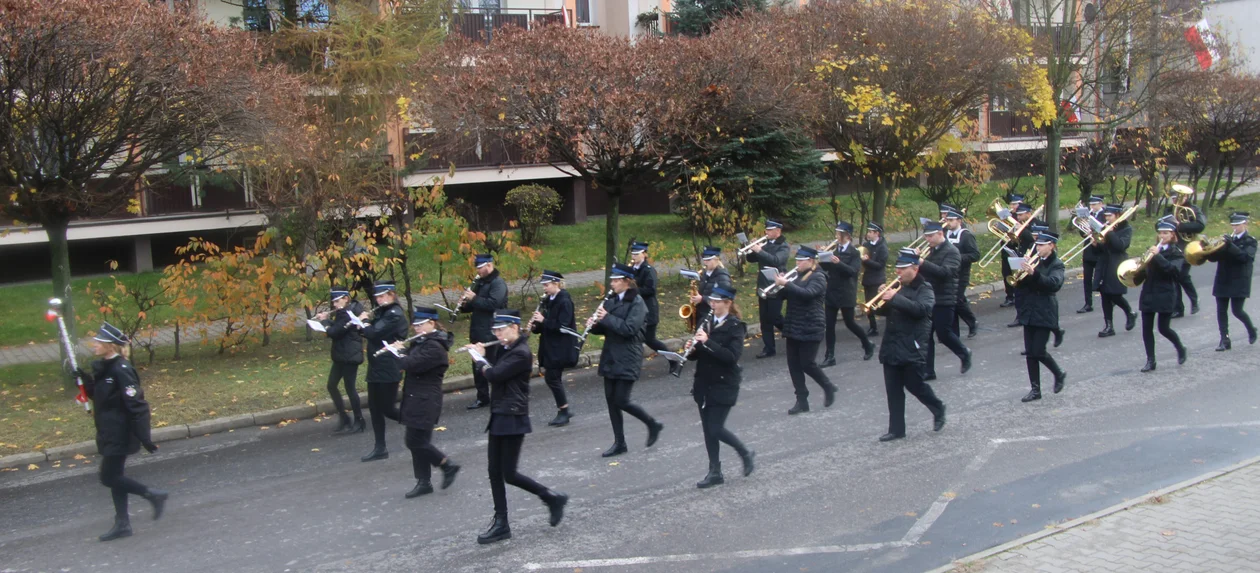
x: 556, y: 350
x: 1232, y: 284
x: 1039, y: 312
x: 1159, y: 292
x: 716, y: 351
x: 803, y: 328
x: 1113, y: 250
x: 347, y: 355
x: 620, y: 320
x: 714, y: 275
x: 425, y: 364
x: 383, y: 372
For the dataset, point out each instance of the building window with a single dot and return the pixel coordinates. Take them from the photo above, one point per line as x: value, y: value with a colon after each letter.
x: 583, y: 11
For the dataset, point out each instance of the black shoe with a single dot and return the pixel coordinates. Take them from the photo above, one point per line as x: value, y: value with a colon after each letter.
x: 828, y: 361
x: 1194, y: 307
x: 562, y: 417
x: 747, y: 458
x: 1031, y: 395
x: 121, y: 528
x: 1179, y: 314
x: 344, y: 426
x: 765, y: 353
x: 1060, y: 378
x: 929, y: 377
x: 1058, y: 337
x: 890, y: 437
x: 869, y: 351
x: 377, y: 453
x: 1182, y: 354
x: 478, y: 403
x: 1224, y: 345
x: 872, y: 331
x: 1150, y: 365
x: 938, y: 419
x: 555, y: 504
x: 1010, y: 301
x: 1084, y: 309
x: 1023, y: 353
x: 423, y: 487
x: 1251, y: 336
x: 448, y: 474
x: 966, y: 362
x: 971, y: 331
x: 829, y: 395
x: 1014, y: 324
x: 359, y: 426
x: 1107, y: 331
x: 617, y: 449
x: 157, y: 497
x: 498, y: 531
x: 801, y: 406
x: 1130, y: 320
x: 714, y: 477
x: 654, y: 432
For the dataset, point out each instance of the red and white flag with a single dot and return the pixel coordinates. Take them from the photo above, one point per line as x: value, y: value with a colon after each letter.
x: 1201, y: 40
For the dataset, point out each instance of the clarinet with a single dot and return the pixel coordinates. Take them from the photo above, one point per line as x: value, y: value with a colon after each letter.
x: 387, y: 346
x: 691, y: 344
x: 529, y: 326
x: 472, y: 286
x: 591, y: 321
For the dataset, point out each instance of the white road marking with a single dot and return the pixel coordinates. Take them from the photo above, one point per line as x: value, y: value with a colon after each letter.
x: 751, y: 554
x: 1151, y: 429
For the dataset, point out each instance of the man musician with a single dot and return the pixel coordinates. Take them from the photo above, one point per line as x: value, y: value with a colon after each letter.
x: 1090, y: 256
x: 940, y: 268
x: 1015, y: 202
x: 841, y: 298
x: 487, y: 294
x: 1023, y: 214
x: 873, y: 268
x: 771, y: 254
x: 1040, y: 312
x: 902, y: 352
x: 957, y: 233
x: 1194, y: 223
x: 1233, y: 278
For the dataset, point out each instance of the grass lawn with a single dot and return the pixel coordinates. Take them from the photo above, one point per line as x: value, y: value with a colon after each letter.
x: 22, y: 310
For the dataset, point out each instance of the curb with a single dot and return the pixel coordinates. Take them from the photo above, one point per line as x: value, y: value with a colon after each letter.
x: 307, y: 411
x: 964, y: 564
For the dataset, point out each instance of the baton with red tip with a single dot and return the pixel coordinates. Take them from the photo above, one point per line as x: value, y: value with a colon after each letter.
x: 54, y: 315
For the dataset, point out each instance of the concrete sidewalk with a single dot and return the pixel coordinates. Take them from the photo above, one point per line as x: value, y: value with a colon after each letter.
x: 1207, y: 524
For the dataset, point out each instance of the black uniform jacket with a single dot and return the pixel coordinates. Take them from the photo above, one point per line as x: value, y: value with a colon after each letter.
x: 118, y: 407
x: 941, y: 269
x: 492, y: 295
x: 1090, y: 254
x: 622, y: 328
x: 347, y: 341
x: 425, y: 364
x: 1039, y: 305
x: 389, y: 326
x: 968, y: 253
x: 1028, y: 238
x: 645, y: 278
x: 909, y: 324
x: 556, y: 349
x: 720, y: 277
x: 1233, y: 268
x: 717, y: 364
x: 1113, y: 251
x: 773, y: 254
x: 805, y: 318
x: 842, y: 277
x: 874, y: 269
x: 509, y: 379
x: 1159, y: 291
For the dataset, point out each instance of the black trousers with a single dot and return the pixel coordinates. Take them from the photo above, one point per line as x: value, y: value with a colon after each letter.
x: 713, y: 423
x: 617, y: 395
x: 1110, y: 302
x: 963, y: 312
x: 120, y: 486
x: 503, y: 453
x: 479, y: 379
x: 771, y: 310
x: 650, y: 338
x: 1089, y: 267
x: 556, y: 385
x: 1035, y: 340
x: 1222, y: 314
x: 1165, y: 329
x: 1186, y: 284
x: 802, y: 359
x: 942, y: 328
x: 907, y: 378
x: 871, y: 291
x: 383, y: 402
x: 344, y: 371
x: 1006, y: 272
x: 847, y: 312
x: 424, y: 455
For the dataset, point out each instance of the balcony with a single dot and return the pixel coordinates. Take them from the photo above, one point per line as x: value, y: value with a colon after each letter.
x: 1060, y: 38
x: 479, y: 24
x: 438, y: 152
x: 1007, y: 125
x: 665, y: 24
x: 164, y: 195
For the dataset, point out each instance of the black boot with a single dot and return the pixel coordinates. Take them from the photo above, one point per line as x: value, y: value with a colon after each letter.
x: 1010, y: 301
x: 971, y: 331
x: 872, y: 331
x: 423, y: 487
x: 966, y: 362
x: 747, y: 458
x: 766, y: 353
x: 654, y: 432
x: 157, y: 497
x: 378, y: 453
x: 617, y: 449
x: 1060, y: 378
x: 1224, y: 345
x: 449, y: 470
x: 938, y: 419
x: 344, y: 426
x: 555, y: 504
x: 122, y: 528
x: 1150, y: 365
x: 1107, y: 331
x: 1034, y: 394
x: 359, y: 425
x: 801, y: 406
x: 1130, y: 320
x: 714, y: 477
x: 829, y: 395
x: 562, y: 418
x: 1182, y: 354
x: 1058, y: 337
x: 1089, y: 307
x: 869, y: 351
x: 890, y: 437
x: 498, y: 531
x: 1194, y: 307
x: 1251, y: 336
x: 829, y: 360
x: 476, y: 404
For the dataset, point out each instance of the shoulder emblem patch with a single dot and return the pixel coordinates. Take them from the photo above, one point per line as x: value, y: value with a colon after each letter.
x: 130, y: 391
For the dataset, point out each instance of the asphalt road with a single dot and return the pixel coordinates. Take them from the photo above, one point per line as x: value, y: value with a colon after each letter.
x: 826, y: 495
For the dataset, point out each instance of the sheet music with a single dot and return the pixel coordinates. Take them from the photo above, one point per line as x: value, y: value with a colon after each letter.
x: 770, y: 273
x: 355, y: 321
x: 1015, y: 262
x: 670, y: 356
x: 316, y: 326
x: 477, y: 357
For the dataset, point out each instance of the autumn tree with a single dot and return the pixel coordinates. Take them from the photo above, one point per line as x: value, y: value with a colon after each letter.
x: 95, y: 94
x: 698, y: 17
x: 1212, y: 120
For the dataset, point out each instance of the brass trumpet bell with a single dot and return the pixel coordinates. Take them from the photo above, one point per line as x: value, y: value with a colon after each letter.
x: 1197, y: 251
x: 686, y: 311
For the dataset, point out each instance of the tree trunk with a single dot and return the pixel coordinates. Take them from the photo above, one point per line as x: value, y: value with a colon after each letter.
x: 1229, y: 182
x: 1213, y: 181
x: 879, y: 196
x: 612, y: 226
x: 59, y: 249
x: 1054, y: 135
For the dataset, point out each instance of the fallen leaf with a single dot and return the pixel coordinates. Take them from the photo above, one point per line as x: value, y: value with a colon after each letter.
x: 32, y: 467
x: 314, y: 449
x: 998, y: 524
x: 949, y: 495
x: 1036, y: 506
x: 614, y: 463
x: 1168, y: 533
x: 264, y: 427
x: 440, y: 429
x: 911, y: 514
x: 80, y: 457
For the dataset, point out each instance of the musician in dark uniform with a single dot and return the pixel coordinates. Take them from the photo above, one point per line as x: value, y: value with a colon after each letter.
x: 803, y: 328
x: 771, y: 254
x: 383, y: 370
x: 487, y: 295
x: 1032, y: 226
x: 508, y: 376
x: 1159, y: 292
x: 347, y: 355
x: 1040, y: 312
x: 645, y: 277
x: 1090, y: 255
x: 906, y: 337
x: 122, y: 424
x: 1014, y: 201
x: 1191, y: 227
x: 620, y: 320
x: 957, y: 233
x: 716, y: 353
x: 713, y: 275
x: 1233, y: 278
x: 940, y: 268
x: 556, y: 350
x: 425, y: 363
x: 874, y: 265
x: 1112, y: 251
x: 842, y: 277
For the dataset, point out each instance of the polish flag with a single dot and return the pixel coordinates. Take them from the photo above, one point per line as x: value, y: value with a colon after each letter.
x: 1202, y: 41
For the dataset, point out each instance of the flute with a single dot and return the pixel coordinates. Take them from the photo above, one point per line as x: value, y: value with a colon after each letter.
x: 387, y: 346
x: 469, y: 349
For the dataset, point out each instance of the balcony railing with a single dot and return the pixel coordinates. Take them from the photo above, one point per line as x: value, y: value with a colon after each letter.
x: 666, y: 24
x: 1007, y: 124
x: 1062, y: 38
x: 480, y: 24
x: 166, y: 196
x: 438, y: 152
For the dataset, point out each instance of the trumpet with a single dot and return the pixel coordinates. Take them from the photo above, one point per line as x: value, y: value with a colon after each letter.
x: 388, y: 346
x: 591, y: 321
x: 744, y: 250
x: 690, y: 346
x: 830, y: 246
x: 878, y: 301
x: 770, y: 290
x: 1019, y: 274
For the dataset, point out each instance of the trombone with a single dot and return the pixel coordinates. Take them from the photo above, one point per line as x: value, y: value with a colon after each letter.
x: 1087, y: 225
x: 1100, y: 236
x: 1006, y: 232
